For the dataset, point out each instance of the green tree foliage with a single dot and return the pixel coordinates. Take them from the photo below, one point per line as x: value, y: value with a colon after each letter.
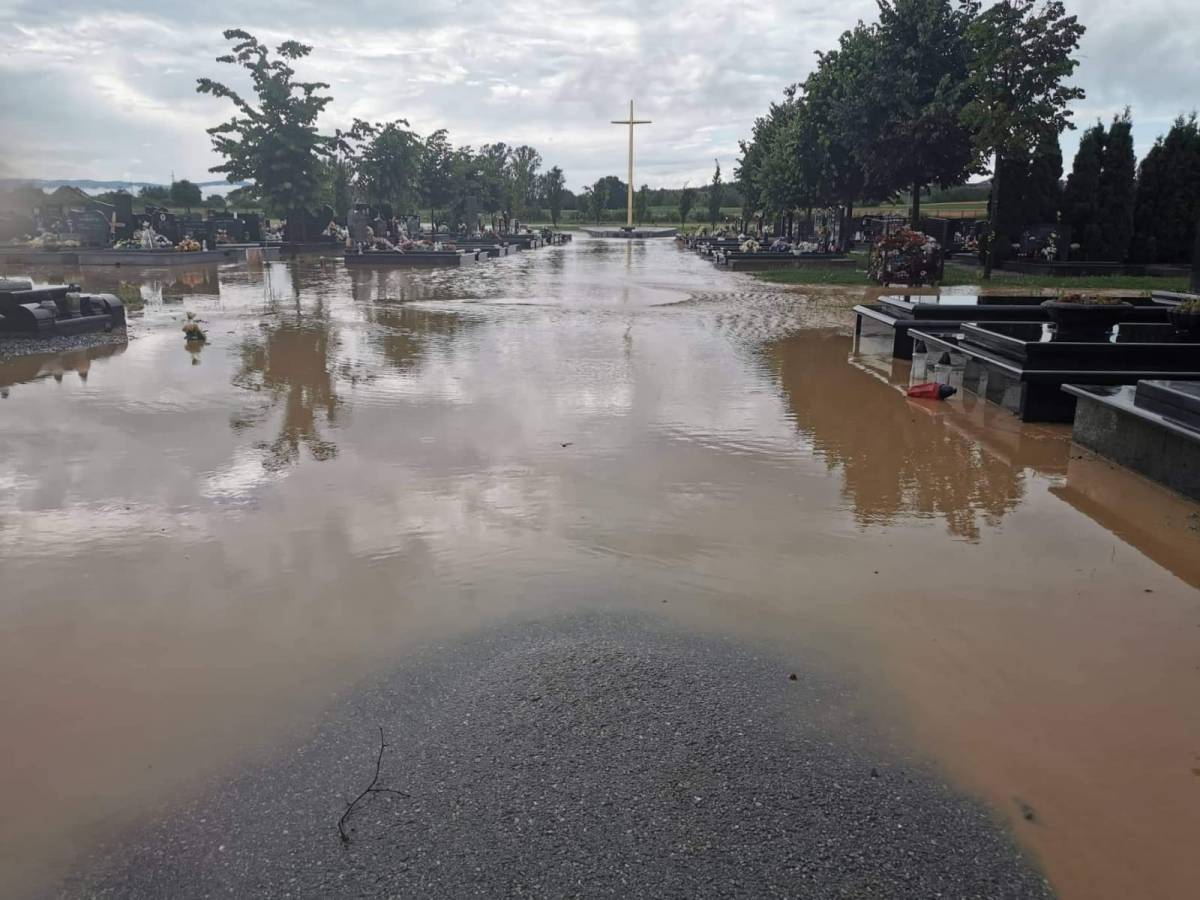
x: 597, y: 196
x: 339, y: 186
x: 641, y: 204
x: 110, y: 196
x: 1022, y: 55
x: 1043, y: 196
x: 521, y: 177
x: 1117, y: 190
x: 923, y: 63
x: 437, y: 173
x: 1168, y: 196
x: 1029, y: 187
x: 491, y: 164
x: 780, y: 168
x: 1010, y: 198
x: 387, y: 163
x: 715, y: 196
x: 613, y: 192
x: 242, y: 198
x: 185, y: 193
x: 275, y: 143
x: 552, y: 192
x: 847, y: 118
x: 1081, y: 200
x: 687, y: 199
x: 214, y: 201
x: 156, y: 193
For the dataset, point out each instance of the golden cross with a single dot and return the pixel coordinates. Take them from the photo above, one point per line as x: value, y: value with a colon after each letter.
x: 631, y: 121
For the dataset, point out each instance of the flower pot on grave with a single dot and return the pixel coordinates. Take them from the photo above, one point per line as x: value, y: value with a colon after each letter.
x: 1085, y: 322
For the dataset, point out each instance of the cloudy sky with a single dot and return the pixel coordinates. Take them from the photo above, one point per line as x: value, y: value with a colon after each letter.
x: 107, y: 91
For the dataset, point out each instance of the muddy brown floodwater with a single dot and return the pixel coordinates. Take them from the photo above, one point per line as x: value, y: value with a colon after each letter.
x: 202, y: 550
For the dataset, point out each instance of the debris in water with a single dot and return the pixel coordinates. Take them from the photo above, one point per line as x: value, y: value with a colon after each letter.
x: 932, y: 391
x: 792, y: 677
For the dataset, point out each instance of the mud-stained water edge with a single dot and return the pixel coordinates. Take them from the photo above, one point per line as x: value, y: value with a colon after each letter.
x: 202, y: 552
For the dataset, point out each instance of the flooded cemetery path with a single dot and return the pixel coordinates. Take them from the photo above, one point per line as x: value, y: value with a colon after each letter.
x: 436, y: 499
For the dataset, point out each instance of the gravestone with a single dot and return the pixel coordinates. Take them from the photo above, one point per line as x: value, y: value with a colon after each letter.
x: 92, y: 228
x: 1036, y: 238
x: 162, y: 221
x: 356, y: 223
x: 252, y: 226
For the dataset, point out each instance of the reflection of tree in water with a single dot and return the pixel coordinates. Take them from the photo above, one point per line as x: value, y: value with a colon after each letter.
x: 292, y: 362
x: 894, y: 459
x: 404, y: 335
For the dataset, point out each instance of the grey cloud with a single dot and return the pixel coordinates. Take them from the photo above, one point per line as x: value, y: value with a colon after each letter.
x: 95, y: 91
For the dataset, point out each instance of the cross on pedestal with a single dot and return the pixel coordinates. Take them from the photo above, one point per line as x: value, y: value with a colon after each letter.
x: 631, y: 121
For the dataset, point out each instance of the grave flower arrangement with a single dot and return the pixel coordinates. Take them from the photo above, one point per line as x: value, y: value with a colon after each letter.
x: 750, y: 246
x: 188, y: 245
x: 905, y: 257
x: 1049, y: 250
x: 193, y: 331
x: 51, y: 240
x: 805, y: 247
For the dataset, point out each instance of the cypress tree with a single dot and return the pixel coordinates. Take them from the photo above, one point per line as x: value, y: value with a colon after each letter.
x: 1168, y: 195
x: 1044, y: 193
x: 1117, y: 190
x: 1148, y: 206
x: 1012, y: 181
x: 1081, y: 200
x: 1181, y: 196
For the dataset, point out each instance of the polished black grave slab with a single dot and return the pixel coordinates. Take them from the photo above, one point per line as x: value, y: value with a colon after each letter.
x: 1021, y: 367
x: 949, y: 311
x: 1132, y: 345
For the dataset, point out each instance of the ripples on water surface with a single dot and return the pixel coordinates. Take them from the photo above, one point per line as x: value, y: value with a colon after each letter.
x: 202, y: 549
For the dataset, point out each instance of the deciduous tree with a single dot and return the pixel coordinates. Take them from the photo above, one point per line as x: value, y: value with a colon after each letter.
x: 553, y: 184
x: 715, y: 195
x: 273, y: 142
x: 1022, y: 56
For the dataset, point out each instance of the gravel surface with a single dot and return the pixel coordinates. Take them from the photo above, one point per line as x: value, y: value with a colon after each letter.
x: 30, y: 346
x: 595, y: 756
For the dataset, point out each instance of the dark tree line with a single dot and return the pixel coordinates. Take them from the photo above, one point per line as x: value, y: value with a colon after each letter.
x: 938, y: 90
x: 928, y: 95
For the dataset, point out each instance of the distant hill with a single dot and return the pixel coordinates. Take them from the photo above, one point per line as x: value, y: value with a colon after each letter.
x: 96, y: 187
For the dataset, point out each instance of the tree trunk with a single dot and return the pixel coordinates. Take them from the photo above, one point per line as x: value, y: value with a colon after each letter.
x: 989, y: 258
x: 915, y: 215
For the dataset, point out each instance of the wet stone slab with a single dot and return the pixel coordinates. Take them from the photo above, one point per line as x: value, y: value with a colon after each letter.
x: 1153, y: 428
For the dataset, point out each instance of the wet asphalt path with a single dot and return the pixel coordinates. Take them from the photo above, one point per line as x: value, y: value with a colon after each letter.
x: 593, y: 756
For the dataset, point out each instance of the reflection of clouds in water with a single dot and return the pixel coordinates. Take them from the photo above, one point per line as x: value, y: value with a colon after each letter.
x: 239, y: 481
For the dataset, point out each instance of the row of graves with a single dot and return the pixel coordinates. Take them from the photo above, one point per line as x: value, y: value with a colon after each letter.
x: 801, y: 245
x: 1124, y: 369
x: 72, y: 228
x: 376, y: 237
